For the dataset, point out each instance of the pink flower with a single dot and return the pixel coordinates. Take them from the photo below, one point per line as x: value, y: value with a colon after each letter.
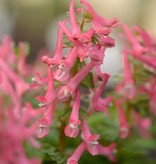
x: 74, y: 158
x: 37, y: 80
x: 64, y: 93
x: 58, y: 53
x: 123, y: 124
x: 127, y: 87
x: 138, y: 49
x: 81, y: 47
x: 87, y: 36
x: 42, y: 127
x: 108, y: 151
x: 100, y: 25
x: 90, y: 139
x: 22, y: 66
x: 20, y: 85
x: 75, y: 29
x: 63, y: 72
x: 72, y: 129
x: 50, y: 94
x: 142, y: 124
x: 98, y: 103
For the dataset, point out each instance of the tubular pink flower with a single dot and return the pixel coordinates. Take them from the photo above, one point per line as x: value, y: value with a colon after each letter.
x: 98, y: 103
x: 105, y: 77
x: 37, y: 80
x: 72, y: 129
x: 6, y: 50
x: 143, y: 124
x: 100, y: 25
x: 63, y: 73
x: 123, y: 124
x: 108, y: 151
x: 75, y: 29
x: 50, y: 94
x: 87, y: 36
x: 106, y: 41
x: 20, y: 85
x: 129, y: 87
x: 147, y: 38
x: 74, y: 158
x: 96, y: 54
x: 70, y: 59
x: 42, y: 127
x: 148, y: 60
x: 138, y: 49
x: 74, y: 82
x: 90, y: 139
x: 7, y: 87
x: 49, y: 112
x: 28, y: 112
x: 58, y: 53
x: 81, y: 48
x: 22, y: 67
x: 65, y: 30
x: 64, y: 93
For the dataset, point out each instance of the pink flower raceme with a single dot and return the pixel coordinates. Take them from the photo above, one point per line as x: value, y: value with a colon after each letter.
x: 72, y: 129
x: 11, y: 141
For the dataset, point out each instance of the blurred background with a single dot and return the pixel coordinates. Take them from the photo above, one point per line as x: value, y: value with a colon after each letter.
x: 35, y: 21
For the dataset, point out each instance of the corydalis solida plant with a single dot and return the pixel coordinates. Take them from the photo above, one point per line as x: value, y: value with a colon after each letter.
x: 70, y: 70
x: 74, y: 78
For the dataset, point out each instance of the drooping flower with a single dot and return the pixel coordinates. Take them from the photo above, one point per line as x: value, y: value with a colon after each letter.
x: 72, y: 129
x: 91, y: 140
x: 98, y: 103
x: 50, y: 94
x: 123, y: 123
x: 74, y: 158
x: 126, y: 87
x: 100, y: 25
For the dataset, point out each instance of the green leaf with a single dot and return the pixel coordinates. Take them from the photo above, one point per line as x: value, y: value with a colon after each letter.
x: 88, y: 81
x: 53, y: 155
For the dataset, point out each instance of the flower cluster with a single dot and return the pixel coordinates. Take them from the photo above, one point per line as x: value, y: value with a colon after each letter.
x: 85, y: 46
x: 16, y: 119
x: 74, y: 83
x: 138, y: 81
